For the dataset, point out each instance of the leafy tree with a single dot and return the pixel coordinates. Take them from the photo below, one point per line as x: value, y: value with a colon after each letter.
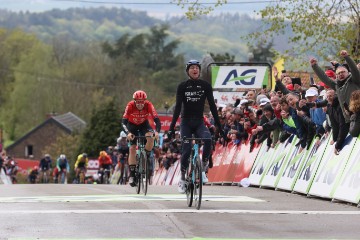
x: 103, y: 130
x: 320, y: 27
x: 226, y: 57
x: 263, y: 52
x: 159, y: 50
x: 195, y: 8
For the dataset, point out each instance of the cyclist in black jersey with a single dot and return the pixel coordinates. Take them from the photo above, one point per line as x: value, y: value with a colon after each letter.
x: 190, y: 101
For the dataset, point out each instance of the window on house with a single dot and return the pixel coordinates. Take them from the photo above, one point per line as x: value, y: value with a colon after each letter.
x: 29, y: 151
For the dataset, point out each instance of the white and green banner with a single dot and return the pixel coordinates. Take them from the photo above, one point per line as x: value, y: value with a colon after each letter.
x: 261, y: 162
x: 331, y: 168
x: 239, y: 76
x: 310, y: 166
x: 348, y: 188
x: 278, y: 163
x: 292, y: 169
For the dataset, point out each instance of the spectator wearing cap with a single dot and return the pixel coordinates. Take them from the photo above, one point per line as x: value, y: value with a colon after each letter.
x: 237, y: 116
x: 263, y: 102
x: 345, y: 82
x: 245, y: 108
x: 259, y: 97
x: 317, y: 115
x: 340, y: 128
x: 260, y: 137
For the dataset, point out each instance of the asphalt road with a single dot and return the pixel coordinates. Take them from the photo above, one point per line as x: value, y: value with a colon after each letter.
x: 110, y: 211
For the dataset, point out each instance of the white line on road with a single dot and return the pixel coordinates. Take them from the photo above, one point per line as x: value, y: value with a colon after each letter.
x: 116, y: 211
x: 130, y: 197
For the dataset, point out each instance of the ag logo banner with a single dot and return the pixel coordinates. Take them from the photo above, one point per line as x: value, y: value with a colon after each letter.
x: 238, y: 76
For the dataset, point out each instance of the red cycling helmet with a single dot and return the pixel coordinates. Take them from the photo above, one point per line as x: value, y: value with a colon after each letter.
x: 139, y: 95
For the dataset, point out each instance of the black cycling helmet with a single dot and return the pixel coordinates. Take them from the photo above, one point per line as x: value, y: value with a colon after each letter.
x: 192, y: 62
x: 84, y: 155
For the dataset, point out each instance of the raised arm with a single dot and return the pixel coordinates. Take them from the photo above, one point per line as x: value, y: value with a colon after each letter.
x: 321, y: 74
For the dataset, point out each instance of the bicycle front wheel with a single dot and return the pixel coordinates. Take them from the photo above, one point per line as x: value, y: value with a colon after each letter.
x: 144, y: 173
x: 198, y: 184
x: 138, y: 174
x: 189, y: 188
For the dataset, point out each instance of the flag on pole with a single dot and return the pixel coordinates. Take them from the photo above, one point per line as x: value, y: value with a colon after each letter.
x: 279, y: 64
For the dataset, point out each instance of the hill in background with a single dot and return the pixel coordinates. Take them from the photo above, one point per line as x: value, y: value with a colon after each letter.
x: 216, y: 34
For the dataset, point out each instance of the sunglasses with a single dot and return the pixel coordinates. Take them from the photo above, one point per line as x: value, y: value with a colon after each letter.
x: 139, y: 101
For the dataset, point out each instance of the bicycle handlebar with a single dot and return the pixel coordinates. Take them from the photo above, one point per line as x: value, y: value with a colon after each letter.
x: 144, y: 137
x: 196, y: 139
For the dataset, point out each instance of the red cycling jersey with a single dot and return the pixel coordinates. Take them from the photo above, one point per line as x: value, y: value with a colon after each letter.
x: 104, y: 160
x: 136, y: 116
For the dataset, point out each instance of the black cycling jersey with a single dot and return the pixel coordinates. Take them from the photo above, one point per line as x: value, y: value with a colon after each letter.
x: 190, y: 100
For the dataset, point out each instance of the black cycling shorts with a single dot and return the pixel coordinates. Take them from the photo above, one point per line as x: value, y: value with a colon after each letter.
x: 139, y: 129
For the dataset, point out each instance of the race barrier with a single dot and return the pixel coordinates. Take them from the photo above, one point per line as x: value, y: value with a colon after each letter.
x: 4, y: 179
x: 316, y: 171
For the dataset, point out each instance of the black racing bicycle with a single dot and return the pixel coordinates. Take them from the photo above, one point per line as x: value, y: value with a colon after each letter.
x: 142, y: 171
x: 193, y: 174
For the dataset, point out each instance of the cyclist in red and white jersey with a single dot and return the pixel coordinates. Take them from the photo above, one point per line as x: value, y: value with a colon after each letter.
x: 135, y: 119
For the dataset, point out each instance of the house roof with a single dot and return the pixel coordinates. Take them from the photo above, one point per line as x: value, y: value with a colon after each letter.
x: 68, y: 121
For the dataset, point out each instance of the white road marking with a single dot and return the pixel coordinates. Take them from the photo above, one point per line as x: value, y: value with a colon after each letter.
x: 132, y: 197
x: 117, y: 211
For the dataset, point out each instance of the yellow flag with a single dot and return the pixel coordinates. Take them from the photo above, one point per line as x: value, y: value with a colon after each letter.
x: 279, y: 64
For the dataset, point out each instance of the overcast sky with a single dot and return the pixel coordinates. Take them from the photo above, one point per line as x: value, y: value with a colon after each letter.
x: 159, y: 8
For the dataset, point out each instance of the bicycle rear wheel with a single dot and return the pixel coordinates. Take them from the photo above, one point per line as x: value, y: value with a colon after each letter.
x: 198, y: 184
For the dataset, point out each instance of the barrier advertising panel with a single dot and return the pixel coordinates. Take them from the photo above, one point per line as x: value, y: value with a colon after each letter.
x: 263, y: 159
x: 224, y: 98
x: 227, y: 169
x: 348, y: 188
x: 331, y: 168
x: 292, y: 169
x: 4, y: 179
x: 310, y: 166
x: 228, y: 153
x: 217, y: 158
x: 244, y: 162
x: 278, y: 163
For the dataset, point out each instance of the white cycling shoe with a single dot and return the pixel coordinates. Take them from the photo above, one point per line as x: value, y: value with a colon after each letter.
x: 204, y: 177
x: 182, y: 186
x: 132, y: 181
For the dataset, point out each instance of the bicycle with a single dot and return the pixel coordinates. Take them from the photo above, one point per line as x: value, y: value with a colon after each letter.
x: 106, y: 177
x: 44, y: 176
x: 142, y: 174
x: 193, y: 174
x: 82, y: 175
x: 62, y: 176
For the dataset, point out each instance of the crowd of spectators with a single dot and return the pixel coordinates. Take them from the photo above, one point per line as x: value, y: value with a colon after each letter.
x: 308, y: 111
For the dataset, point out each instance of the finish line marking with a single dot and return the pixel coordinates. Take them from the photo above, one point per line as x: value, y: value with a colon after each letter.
x: 117, y: 211
x: 131, y: 197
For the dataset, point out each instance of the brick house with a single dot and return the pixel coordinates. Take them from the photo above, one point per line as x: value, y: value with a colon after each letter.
x: 31, y: 145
